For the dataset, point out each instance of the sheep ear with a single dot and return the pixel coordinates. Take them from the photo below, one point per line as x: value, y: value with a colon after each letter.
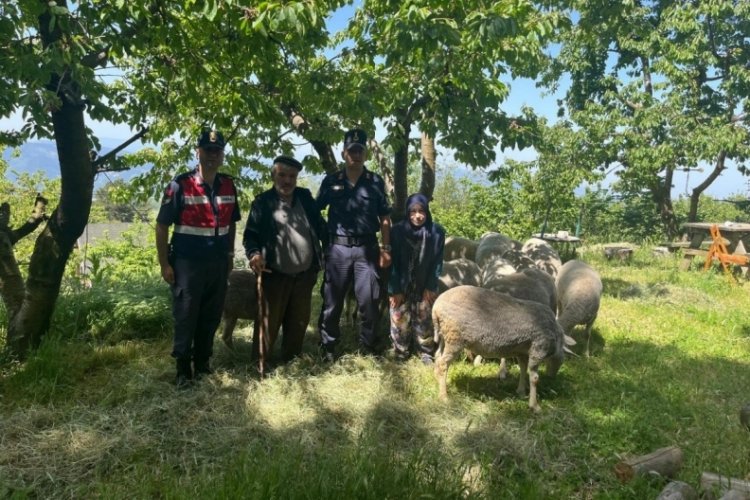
x: 568, y: 351
x: 569, y: 340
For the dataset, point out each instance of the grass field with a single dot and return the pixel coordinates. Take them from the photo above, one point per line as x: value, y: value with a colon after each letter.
x: 670, y: 366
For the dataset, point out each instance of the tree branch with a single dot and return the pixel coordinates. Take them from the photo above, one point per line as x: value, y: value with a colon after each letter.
x: 100, y: 161
x: 38, y: 215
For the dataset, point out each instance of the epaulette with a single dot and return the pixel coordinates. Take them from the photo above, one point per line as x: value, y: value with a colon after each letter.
x: 184, y: 175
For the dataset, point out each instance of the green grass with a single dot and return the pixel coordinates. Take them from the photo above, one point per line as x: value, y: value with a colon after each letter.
x: 89, y: 416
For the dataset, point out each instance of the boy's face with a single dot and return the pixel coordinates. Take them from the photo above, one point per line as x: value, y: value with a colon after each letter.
x: 417, y: 215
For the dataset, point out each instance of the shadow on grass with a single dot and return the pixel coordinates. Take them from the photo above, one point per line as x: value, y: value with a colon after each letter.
x: 311, y: 431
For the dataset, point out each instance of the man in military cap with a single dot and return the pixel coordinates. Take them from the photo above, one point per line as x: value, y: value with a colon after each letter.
x: 282, y: 241
x: 202, y: 206
x: 358, y: 209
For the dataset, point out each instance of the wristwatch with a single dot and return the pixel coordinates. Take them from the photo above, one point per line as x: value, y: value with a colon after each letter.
x: 387, y: 248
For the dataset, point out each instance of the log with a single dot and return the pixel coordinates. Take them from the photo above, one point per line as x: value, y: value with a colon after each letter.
x: 678, y: 490
x: 663, y: 462
x: 724, y: 484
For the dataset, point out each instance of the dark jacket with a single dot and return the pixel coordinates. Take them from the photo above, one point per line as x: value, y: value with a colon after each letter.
x: 425, y: 275
x: 261, y: 230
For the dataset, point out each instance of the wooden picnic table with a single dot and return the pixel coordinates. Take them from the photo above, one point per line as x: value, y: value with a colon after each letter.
x: 563, y: 241
x: 730, y: 239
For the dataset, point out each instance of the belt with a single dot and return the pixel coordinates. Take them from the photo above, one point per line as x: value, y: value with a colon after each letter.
x: 354, y: 241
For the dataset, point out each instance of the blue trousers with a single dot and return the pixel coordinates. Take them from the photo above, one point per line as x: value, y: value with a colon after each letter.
x: 344, y: 265
x: 197, y: 302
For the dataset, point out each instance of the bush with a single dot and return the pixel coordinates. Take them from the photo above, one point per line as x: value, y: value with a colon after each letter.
x: 125, y: 310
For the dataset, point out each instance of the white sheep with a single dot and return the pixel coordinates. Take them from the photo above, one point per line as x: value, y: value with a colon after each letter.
x: 496, y: 325
x: 492, y: 246
x: 457, y: 248
x: 530, y: 284
x: 459, y: 272
x: 579, y: 293
x: 518, y: 259
x: 496, y: 268
x: 544, y: 256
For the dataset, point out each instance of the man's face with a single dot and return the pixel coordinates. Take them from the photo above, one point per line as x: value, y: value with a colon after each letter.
x: 417, y: 215
x: 355, y: 156
x: 211, y: 157
x: 284, y: 179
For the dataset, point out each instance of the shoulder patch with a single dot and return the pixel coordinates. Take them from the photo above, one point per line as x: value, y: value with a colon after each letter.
x: 168, y: 194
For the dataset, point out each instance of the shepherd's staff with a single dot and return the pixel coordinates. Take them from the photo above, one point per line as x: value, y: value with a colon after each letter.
x: 263, y: 325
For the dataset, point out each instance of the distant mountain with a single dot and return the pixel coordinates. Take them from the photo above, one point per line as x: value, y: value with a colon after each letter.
x: 36, y: 156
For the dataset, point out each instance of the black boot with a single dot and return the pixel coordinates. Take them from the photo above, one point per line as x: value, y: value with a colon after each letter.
x: 184, y: 374
x: 202, y: 368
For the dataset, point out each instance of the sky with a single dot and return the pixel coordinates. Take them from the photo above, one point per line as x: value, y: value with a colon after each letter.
x: 523, y: 92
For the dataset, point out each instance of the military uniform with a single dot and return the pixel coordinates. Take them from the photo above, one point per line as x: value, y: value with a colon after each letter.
x: 352, y: 256
x: 202, y: 215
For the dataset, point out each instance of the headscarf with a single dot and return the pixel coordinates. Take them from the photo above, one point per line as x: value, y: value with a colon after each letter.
x: 419, y: 232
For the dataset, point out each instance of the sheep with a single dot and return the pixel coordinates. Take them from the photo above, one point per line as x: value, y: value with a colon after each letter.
x: 530, y: 284
x: 492, y: 246
x: 457, y: 248
x: 459, y: 272
x: 518, y: 259
x: 496, y: 325
x: 544, y: 256
x: 496, y: 268
x: 241, y: 302
x: 579, y: 293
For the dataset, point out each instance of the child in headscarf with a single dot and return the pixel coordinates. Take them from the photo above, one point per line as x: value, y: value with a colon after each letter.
x: 417, y: 261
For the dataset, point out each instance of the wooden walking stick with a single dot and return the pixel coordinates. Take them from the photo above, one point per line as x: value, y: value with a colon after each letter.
x: 263, y: 325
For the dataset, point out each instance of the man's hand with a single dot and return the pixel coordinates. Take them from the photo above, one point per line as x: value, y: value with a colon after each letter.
x: 257, y: 263
x: 167, y: 273
x: 385, y: 259
x: 429, y: 296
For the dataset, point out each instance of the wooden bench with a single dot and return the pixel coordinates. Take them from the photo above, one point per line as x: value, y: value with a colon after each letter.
x: 673, y: 246
x: 688, y: 254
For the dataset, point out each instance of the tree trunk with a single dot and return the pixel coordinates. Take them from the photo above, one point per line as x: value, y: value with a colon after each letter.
x: 400, y: 170
x: 379, y: 156
x: 28, y: 324
x: 661, y: 193
x: 427, y: 186
x: 695, y: 196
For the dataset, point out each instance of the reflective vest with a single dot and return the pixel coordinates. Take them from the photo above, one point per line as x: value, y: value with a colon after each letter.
x: 204, y: 217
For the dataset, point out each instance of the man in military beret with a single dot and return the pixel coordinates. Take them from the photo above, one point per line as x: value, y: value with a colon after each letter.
x: 358, y: 209
x: 282, y: 240
x: 202, y: 206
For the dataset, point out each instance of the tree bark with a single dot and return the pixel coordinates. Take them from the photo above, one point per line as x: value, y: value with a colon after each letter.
x: 427, y: 186
x: 28, y: 324
x: 401, y: 169
x: 324, y: 150
x: 382, y: 160
x: 661, y: 193
x: 695, y: 195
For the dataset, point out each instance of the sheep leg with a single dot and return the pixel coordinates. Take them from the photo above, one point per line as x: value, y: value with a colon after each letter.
x: 533, y: 380
x: 441, y: 369
x: 229, y: 323
x: 588, y: 336
x: 503, y: 373
x: 523, y: 364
